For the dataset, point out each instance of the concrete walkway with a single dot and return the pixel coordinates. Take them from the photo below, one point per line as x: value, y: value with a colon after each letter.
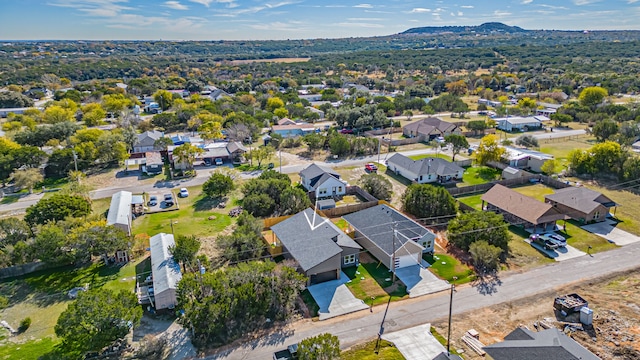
x: 608, y: 230
x: 416, y: 343
x: 335, y: 299
x: 420, y: 281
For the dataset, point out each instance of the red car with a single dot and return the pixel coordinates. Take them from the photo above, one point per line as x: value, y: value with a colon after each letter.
x: 346, y: 131
x: 371, y: 167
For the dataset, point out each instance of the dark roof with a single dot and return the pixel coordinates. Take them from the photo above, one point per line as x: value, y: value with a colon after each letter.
x: 376, y: 223
x: 580, y: 198
x: 444, y: 356
x: 549, y: 344
x: 309, y: 238
x: 425, y: 166
x: 317, y: 181
x: 315, y: 170
x: 426, y: 126
x: 234, y: 146
x: 522, y: 206
x: 148, y: 138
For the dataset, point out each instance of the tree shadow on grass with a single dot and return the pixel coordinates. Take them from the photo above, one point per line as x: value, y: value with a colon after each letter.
x: 207, y: 204
x: 488, y: 174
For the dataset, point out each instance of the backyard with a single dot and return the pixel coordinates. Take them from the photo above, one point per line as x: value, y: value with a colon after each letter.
x: 476, y: 175
x: 42, y: 296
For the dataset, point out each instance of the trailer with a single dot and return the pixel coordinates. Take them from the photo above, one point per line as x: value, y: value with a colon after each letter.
x: 570, y: 303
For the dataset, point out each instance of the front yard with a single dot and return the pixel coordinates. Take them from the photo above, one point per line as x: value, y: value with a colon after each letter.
x: 449, y: 268
x: 372, y: 279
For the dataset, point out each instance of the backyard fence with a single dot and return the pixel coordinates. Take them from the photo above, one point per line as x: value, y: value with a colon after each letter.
x: 370, y: 201
x: 19, y: 270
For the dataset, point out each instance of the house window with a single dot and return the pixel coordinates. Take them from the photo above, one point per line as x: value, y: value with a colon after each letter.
x: 420, y: 177
x: 596, y: 216
x: 339, y: 188
x: 427, y: 244
x: 350, y: 259
x: 323, y: 191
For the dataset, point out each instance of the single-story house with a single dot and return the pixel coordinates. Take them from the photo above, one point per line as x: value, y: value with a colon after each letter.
x: 315, y: 111
x: 519, y: 209
x: 214, y: 93
x: 324, y: 182
x: 165, y: 272
x: 521, y: 158
x: 119, y: 214
x: 425, y: 170
x: 518, y: 123
x: 227, y: 151
x: 286, y: 121
x: 580, y: 203
x: 374, y: 230
x: 549, y: 344
x: 145, y: 142
x: 293, y: 130
x: 430, y: 128
x: 153, y: 163
x: 512, y: 173
x: 317, y: 244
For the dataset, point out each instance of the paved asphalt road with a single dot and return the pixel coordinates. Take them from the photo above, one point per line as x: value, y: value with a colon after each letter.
x: 361, y: 326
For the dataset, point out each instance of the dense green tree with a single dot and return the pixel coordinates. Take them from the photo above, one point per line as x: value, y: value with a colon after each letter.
x: 293, y: 200
x: 52, y: 245
x: 12, y: 99
x: 314, y: 141
x: 528, y: 141
x: 477, y: 126
x: 186, y: 154
x: 561, y: 118
x: 489, y: 150
x: 457, y: 142
x: 185, y: 250
x: 549, y: 166
x: 592, y: 96
x: 60, y: 163
x: 164, y: 98
x: 428, y: 201
x: 448, y: 102
x: 321, y: 347
x: 27, y: 178
x: 56, y: 208
x: 339, y: 145
x: 377, y: 185
x: 467, y: 228
x: 167, y: 121
x: 13, y: 230
x: 96, y: 319
x: 604, y: 130
x: 631, y: 169
x: 245, y: 243
x: 218, y: 185
x: 262, y: 153
x: 223, y: 305
x: 260, y: 205
x: 485, y: 257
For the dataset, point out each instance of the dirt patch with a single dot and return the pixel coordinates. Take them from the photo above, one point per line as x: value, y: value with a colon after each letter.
x: 615, y: 333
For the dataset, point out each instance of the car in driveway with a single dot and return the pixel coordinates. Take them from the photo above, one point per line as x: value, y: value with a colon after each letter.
x: 153, y: 201
x: 184, y: 192
x: 543, y: 241
x: 168, y: 200
x: 558, y: 239
x: 218, y: 161
x: 371, y: 167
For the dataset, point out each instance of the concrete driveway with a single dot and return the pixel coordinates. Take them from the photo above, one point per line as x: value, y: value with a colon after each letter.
x: 416, y: 343
x: 420, y: 281
x: 608, y: 230
x: 335, y: 299
x: 559, y: 254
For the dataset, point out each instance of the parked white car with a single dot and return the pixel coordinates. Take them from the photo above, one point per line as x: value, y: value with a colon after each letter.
x: 184, y: 192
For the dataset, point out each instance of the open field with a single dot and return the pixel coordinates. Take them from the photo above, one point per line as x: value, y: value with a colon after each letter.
x: 616, y: 317
x: 536, y: 191
x: 561, y: 147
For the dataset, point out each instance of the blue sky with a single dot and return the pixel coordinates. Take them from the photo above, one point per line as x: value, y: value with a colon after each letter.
x: 292, y: 19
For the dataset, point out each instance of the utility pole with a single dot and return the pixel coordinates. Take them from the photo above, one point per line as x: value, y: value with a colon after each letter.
x: 393, y: 241
x: 75, y: 159
x: 378, y: 151
x: 453, y: 287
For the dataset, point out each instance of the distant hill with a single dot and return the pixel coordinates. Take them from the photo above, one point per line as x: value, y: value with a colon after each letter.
x: 486, y: 28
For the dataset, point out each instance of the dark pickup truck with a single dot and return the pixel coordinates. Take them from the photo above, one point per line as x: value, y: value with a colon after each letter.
x: 291, y: 353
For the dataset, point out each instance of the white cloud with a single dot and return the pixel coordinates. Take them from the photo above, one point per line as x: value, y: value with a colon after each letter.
x: 277, y: 5
x: 632, y: 1
x: 467, y: 6
x: 584, y: 2
x: 363, y: 6
x: 499, y: 13
x: 175, y: 5
x: 365, y: 19
x: 525, y: 2
x: 460, y: 13
x: 230, y: 3
x: 420, y: 10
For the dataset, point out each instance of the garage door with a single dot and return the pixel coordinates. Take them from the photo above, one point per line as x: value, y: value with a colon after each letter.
x: 324, y: 276
x: 405, y: 260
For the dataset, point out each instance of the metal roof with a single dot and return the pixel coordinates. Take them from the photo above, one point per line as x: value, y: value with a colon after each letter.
x: 120, y: 208
x: 166, y: 272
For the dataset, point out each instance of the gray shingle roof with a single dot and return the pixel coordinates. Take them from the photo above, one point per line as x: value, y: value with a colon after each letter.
x: 425, y: 166
x: 148, y: 138
x: 166, y: 272
x: 309, y: 238
x: 376, y: 223
x: 315, y: 170
x: 580, y: 198
x: 426, y: 126
x: 548, y: 344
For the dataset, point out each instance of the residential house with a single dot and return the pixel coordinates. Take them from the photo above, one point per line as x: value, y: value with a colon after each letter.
x: 580, y: 203
x: 324, y: 182
x: 286, y: 121
x: 521, y: 158
x: 119, y: 214
x: 153, y: 164
x: 426, y: 170
x: 550, y: 344
x: 227, y: 151
x: 165, y: 272
x: 319, y: 247
x: 391, y: 236
x: 293, y: 130
x: 145, y: 142
x: 316, y: 111
x: 518, y: 209
x: 430, y: 128
x: 518, y: 123
x: 18, y: 111
x: 214, y: 93
x: 547, y: 109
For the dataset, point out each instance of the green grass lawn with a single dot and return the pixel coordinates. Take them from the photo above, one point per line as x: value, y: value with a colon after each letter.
x: 560, y: 148
x: 101, y: 206
x: 447, y: 267
x: 521, y: 254
x: 366, y: 351
x: 42, y: 296
x: 581, y: 239
x: 341, y: 223
x: 628, y: 213
x: 310, y: 302
x: 191, y: 219
x: 369, y: 280
x: 479, y: 175
x: 537, y: 191
x: 423, y: 156
x: 474, y: 201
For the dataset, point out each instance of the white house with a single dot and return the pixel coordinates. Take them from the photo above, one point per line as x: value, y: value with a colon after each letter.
x: 426, y: 170
x: 119, y: 214
x: 518, y: 123
x: 324, y: 182
x: 165, y: 272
